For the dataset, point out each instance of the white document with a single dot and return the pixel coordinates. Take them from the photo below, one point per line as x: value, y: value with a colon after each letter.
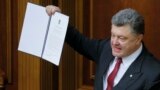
x: 43, y: 36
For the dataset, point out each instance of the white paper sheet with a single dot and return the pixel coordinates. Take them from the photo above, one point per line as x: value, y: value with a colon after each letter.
x: 55, y: 39
x: 34, y: 31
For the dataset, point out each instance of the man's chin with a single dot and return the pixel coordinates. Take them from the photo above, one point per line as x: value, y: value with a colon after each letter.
x: 116, y: 54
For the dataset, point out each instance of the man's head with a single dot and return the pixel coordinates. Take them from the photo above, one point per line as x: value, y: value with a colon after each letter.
x: 127, y: 32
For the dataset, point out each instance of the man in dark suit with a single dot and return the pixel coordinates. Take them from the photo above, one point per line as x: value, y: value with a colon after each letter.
x: 122, y: 61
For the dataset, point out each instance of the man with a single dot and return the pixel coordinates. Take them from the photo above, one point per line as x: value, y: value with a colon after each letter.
x: 122, y: 62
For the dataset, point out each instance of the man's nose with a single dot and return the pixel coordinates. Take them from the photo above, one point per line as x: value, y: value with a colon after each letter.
x: 115, y: 41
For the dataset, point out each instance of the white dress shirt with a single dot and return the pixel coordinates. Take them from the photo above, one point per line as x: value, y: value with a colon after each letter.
x: 126, y: 62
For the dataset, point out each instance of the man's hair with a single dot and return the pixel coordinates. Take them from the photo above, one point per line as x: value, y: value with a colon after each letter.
x: 131, y: 17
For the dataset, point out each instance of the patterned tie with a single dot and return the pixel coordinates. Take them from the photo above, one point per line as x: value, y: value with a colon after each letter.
x: 111, y: 77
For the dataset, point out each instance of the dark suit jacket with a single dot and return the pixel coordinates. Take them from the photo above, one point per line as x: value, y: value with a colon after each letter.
x: 145, y: 70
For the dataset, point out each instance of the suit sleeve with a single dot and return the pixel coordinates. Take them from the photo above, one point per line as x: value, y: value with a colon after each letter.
x: 85, y: 46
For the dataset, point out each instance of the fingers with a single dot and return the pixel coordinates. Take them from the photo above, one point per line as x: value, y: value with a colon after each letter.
x: 50, y: 9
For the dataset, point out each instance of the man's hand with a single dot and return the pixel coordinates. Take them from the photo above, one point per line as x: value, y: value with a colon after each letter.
x: 50, y: 9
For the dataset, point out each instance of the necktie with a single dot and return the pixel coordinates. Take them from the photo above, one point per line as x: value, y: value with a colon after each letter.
x: 111, y: 77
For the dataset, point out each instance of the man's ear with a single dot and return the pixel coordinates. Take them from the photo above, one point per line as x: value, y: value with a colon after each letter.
x: 139, y: 38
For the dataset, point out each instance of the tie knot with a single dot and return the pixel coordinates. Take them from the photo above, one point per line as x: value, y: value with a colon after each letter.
x: 119, y: 60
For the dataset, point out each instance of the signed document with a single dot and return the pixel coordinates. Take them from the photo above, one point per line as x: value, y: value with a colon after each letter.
x: 43, y: 35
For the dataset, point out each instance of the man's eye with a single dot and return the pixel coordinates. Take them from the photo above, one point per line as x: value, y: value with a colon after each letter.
x: 122, y: 38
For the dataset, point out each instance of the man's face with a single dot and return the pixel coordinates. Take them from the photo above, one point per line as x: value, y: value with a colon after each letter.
x: 123, y: 41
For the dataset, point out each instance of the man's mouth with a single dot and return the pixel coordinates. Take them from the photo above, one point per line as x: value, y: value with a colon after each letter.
x: 117, y: 49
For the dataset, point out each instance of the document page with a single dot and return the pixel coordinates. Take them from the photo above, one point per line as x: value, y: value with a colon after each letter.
x: 33, y: 30
x: 41, y: 35
x: 55, y: 38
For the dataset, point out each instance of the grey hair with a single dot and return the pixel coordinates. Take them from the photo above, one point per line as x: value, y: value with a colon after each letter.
x: 131, y: 17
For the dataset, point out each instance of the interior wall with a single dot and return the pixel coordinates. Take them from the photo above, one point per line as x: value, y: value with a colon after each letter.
x: 8, y: 62
x: 67, y: 63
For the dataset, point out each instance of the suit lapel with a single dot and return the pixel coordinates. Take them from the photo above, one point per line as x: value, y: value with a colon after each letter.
x: 127, y: 81
x: 132, y: 74
x: 106, y: 58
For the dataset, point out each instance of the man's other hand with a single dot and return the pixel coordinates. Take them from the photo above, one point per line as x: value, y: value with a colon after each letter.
x: 51, y: 9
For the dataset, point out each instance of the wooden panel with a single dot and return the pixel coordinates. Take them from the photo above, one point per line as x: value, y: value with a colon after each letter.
x: 2, y: 79
x: 13, y: 43
x: 85, y: 66
x: 7, y: 39
x: 67, y: 65
x: 84, y: 69
x: 9, y: 42
x: 49, y: 76
x: 7, y: 46
x: 3, y: 35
